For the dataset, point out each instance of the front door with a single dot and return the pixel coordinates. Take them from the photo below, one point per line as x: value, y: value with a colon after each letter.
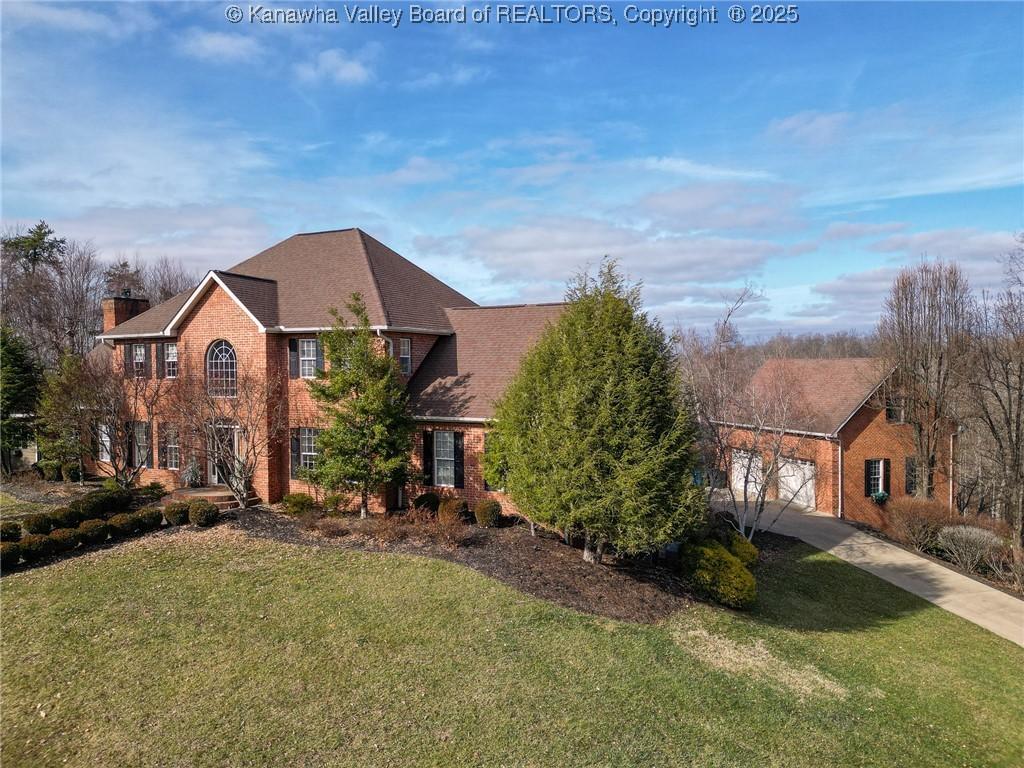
x: 221, y: 453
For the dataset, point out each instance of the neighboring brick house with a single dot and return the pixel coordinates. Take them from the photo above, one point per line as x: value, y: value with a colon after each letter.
x: 266, y: 312
x: 841, y: 443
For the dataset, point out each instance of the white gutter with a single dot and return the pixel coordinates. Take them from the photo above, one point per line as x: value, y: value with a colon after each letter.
x: 784, y: 431
x: 452, y: 419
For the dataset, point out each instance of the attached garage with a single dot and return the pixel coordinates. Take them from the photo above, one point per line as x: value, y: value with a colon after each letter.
x: 796, y: 482
x: 746, y: 470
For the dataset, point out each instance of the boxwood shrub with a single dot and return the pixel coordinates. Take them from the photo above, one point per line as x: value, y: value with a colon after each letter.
x: 65, y: 539
x: 742, y: 549
x: 123, y: 525
x: 149, y: 518
x: 487, y: 513
x: 10, y: 530
x: 176, y: 512
x: 298, y: 504
x: 452, y: 510
x: 202, y: 512
x: 718, y: 574
x: 103, y: 504
x: 50, y: 469
x: 39, y: 523
x: 65, y: 517
x: 69, y: 471
x: 10, y: 554
x: 93, y: 531
x: 35, y: 547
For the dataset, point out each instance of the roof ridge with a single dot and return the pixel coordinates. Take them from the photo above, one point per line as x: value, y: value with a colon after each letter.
x: 373, y: 275
x: 245, y: 277
x: 324, y: 231
x: 515, y: 306
x: 410, y: 262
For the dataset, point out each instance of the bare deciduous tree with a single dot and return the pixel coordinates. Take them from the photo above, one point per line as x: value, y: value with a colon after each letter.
x: 924, y: 337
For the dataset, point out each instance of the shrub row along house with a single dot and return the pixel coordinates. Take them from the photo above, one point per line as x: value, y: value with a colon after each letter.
x: 827, y: 434
x: 257, y: 323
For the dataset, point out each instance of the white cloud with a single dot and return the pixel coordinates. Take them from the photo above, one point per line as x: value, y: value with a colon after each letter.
x: 722, y: 206
x: 854, y: 230
x: 818, y: 129
x: 336, y: 66
x: 457, y: 75
x: 681, y: 166
x: 218, y: 46
x: 125, y: 21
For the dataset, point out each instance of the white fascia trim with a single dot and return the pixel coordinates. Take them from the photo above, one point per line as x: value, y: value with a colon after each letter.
x: 452, y: 419
x: 825, y: 435
x: 376, y: 328
x: 864, y: 402
x: 108, y: 336
x: 211, y: 276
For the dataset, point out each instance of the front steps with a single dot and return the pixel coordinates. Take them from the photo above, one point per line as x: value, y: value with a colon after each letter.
x: 219, y: 495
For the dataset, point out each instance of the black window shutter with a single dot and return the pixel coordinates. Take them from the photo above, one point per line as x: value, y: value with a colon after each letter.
x: 428, y: 457
x: 129, y: 368
x: 145, y: 365
x: 867, y: 477
x: 129, y: 429
x: 151, y: 448
x: 885, y: 475
x: 296, y: 459
x: 160, y: 360
x: 910, y: 476
x: 293, y: 360
x: 162, y: 445
x: 460, y: 465
x: 483, y: 472
x: 319, y: 355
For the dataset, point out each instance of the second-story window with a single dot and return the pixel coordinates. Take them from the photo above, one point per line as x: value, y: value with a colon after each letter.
x: 307, y: 358
x: 139, y: 360
x: 405, y: 355
x: 170, y: 361
x: 221, y: 370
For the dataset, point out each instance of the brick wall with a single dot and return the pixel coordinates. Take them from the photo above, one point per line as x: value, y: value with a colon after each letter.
x: 869, y: 436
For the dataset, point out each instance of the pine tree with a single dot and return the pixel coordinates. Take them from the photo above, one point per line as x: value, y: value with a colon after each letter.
x: 590, y: 437
x: 369, y: 437
x: 20, y: 381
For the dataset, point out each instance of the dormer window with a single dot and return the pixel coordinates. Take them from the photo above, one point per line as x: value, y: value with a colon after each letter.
x: 221, y: 370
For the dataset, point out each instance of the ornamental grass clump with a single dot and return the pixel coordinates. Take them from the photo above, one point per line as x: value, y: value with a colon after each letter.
x: 968, y: 546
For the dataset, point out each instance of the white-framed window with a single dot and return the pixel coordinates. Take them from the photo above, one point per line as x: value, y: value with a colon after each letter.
x: 172, y: 448
x: 444, y: 458
x: 874, y: 476
x: 140, y: 443
x: 307, y: 447
x: 389, y: 346
x: 405, y: 355
x: 171, y: 360
x: 139, y: 360
x: 103, y: 438
x: 307, y: 358
x: 221, y: 369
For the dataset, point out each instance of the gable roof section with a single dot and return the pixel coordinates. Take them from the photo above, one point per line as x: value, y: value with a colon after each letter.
x: 465, y: 373
x: 827, y: 391
x: 291, y: 286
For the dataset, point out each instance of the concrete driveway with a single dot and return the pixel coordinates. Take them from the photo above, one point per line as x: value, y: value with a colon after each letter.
x: 987, y: 607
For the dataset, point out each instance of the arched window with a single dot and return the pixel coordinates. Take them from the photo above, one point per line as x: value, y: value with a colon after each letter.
x: 221, y: 370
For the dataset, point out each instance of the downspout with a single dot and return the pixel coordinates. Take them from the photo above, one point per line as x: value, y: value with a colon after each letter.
x: 839, y: 444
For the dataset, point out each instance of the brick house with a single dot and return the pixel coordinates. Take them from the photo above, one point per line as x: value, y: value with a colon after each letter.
x: 841, y: 442
x: 265, y: 313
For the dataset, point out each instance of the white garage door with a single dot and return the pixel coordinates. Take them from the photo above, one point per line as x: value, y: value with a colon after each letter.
x: 796, y: 482
x: 746, y: 468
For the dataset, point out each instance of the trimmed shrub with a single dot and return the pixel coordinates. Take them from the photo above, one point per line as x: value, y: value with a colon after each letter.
x: 10, y: 554
x: 968, y: 546
x: 452, y: 510
x: 176, y: 512
x: 69, y: 471
x: 487, y: 513
x: 103, y: 503
x: 202, y: 512
x: 65, y: 539
x: 35, y: 547
x: 124, y: 524
x: 10, y: 530
x: 298, y: 503
x: 93, y: 531
x: 742, y: 549
x: 39, y: 523
x: 915, y: 522
x: 428, y: 500
x: 65, y: 517
x: 110, y: 484
x: 151, y: 492
x: 719, y: 575
x: 50, y: 470
x: 149, y: 518
x: 334, y: 503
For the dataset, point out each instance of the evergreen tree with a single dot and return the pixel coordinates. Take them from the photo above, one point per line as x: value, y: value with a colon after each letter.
x: 67, y: 412
x: 369, y: 437
x: 590, y: 437
x: 34, y: 249
x: 20, y: 380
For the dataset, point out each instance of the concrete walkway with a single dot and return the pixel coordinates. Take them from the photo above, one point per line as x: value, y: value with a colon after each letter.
x: 987, y: 607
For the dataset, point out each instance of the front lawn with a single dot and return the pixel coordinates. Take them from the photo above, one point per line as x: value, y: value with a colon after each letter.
x: 12, y: 507
x: 212, y: 648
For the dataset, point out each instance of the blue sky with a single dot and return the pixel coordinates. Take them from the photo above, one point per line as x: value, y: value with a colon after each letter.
x: 811, y: 159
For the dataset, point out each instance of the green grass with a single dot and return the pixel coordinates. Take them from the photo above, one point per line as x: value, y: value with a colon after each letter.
x: 11, y: 507
x: 211, y: 649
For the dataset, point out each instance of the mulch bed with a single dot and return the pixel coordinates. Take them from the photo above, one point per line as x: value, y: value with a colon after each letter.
x: 29, y: 487
x: 542, y: 566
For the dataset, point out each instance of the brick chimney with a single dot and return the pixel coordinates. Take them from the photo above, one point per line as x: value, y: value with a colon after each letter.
x: 117, y: 309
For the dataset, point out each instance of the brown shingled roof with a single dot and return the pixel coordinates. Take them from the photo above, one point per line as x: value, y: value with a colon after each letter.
x: 294, y: 284
x: 827, y: 391
x: 466, y: 373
